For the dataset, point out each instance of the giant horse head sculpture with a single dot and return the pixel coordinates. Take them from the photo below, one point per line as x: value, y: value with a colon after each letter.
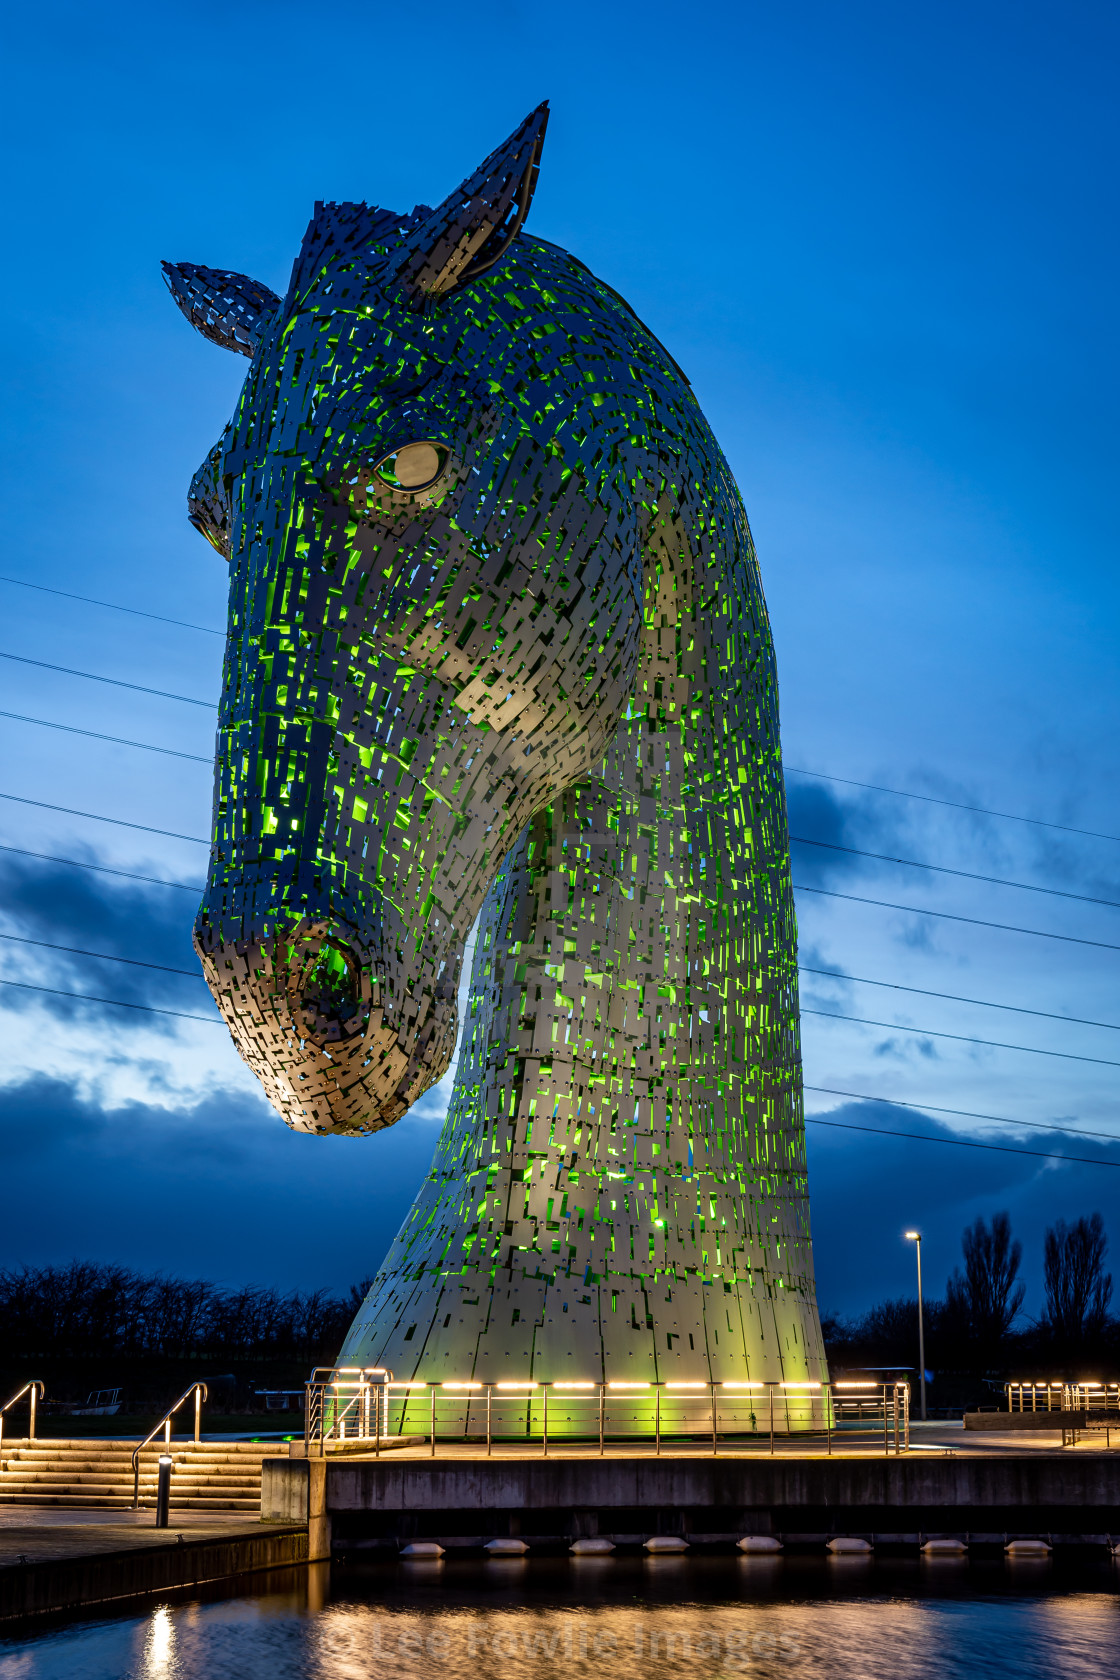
x: 496, y: 627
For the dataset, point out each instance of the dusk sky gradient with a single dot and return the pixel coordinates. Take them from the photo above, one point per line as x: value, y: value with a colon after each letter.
x: 882, y: 244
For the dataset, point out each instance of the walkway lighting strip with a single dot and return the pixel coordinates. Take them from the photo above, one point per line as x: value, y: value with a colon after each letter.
x: 799, y: 1385
x: 688, y: 1385
x: 575, y: 1385
x: 403, y: 1385
x: 858, y: 1385
x: 520, y: 1385
x: 629, y: 1385
x: 744, y: 1385
x: 471, y: 1385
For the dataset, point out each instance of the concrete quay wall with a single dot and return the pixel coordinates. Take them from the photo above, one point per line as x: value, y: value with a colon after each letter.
x: 467, y: 1501
x: 96, y: 1573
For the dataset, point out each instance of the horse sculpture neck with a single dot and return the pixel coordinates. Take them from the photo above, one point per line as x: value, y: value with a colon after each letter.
x: 619, y: 1191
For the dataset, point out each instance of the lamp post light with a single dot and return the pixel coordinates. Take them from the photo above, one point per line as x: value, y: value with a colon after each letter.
x: 916, y: 1238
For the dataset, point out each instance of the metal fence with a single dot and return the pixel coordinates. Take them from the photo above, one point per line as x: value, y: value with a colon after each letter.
x: 365, y: 1410
x: 1056, y: 1395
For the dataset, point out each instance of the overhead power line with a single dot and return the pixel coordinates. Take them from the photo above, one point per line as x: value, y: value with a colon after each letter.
x: 961, y: 1143
x: 104, y: 956
x: 949, y: 916
x: 113, y: 606
x: 825, y: 973
x: 95, y: 816
x: 799, y: 886
x: 963, y: 874
x: 912, y: 909
x: 790, y: 769
x: 953, y: 804
x: 953, y: 997
x: 965, y: 1114
x: 958, y: 1038
x: 94, y: 735
x: 103, y: 869
x: 822, y: 1014
x: 114, y: 1003
x: 115, y: 682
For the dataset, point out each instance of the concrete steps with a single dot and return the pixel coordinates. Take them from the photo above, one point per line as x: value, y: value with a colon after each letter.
x: 218, y: 1476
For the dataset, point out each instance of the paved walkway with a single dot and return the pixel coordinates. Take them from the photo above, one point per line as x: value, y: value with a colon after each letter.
x: 30, y: 1534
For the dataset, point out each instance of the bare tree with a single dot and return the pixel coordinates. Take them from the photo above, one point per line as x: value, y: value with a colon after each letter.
x: 1078, y: 1289
x: 357, y: 1295
x: 85, y: 1308
x: 988, y: 1297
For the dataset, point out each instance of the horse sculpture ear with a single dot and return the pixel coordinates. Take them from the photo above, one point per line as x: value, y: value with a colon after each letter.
x: 476, y: 225
x: 229, y: 309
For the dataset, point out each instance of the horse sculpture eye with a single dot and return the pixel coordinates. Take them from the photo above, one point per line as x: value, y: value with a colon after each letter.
x: 414, y: 467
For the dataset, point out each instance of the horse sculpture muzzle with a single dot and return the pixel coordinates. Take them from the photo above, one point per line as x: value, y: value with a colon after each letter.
x: 324, y: 1014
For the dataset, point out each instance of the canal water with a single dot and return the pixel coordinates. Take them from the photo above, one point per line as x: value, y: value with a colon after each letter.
x: 623, y: 1618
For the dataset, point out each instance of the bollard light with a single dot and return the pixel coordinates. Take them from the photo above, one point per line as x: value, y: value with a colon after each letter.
x: 163, y: 1489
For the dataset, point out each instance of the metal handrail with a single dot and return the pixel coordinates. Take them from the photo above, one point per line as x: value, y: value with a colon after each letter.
x: 201, y: 1393
x: 363, y: 1379
x: 831, y: 1411
x: 1061, y: 1395
x: 28, y: 1387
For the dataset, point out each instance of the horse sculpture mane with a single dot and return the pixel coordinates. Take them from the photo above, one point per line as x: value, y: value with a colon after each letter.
x: 498, y: 653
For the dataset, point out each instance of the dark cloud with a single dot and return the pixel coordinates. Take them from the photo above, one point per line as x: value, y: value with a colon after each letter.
x: 820, y: 813
x: 906, y: 1049
x: 223, y: 1190
x: 865, y: 1191
x: 964, y: 838
x: 75, y: 907
x: 1075, y: 864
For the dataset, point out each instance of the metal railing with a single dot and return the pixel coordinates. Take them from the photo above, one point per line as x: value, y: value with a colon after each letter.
x: 35, y: 1390
x: 199, y: 1390
x: 1034, y: 1396
x: 1091, y: 1397
x: 1057, y: 1395
x: 346, y: 1403
x: 360, y: 1408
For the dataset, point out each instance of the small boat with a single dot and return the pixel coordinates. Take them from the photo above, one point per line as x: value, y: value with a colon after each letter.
x: 103, y: 1402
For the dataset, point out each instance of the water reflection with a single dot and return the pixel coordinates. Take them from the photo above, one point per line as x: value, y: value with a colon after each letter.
x: 159, y: 1646
x: 540, y: 1641
x: 619, y: 1618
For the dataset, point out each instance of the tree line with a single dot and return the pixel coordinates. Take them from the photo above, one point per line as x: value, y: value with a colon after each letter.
x: 87, y: 1309
x: 979, y: 1324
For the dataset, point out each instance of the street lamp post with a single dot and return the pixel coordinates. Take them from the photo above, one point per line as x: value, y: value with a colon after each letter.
x: 916, y: 1238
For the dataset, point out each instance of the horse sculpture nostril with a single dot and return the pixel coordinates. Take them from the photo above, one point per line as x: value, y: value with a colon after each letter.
x: 332, y: 986
x: 326, y: 980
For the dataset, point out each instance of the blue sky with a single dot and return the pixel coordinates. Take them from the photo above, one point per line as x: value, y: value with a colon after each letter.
x: 882, y: 244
